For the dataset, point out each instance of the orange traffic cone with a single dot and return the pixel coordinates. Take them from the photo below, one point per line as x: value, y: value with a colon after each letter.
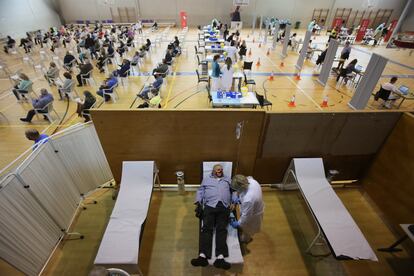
x: 297, y: 77
x: 260, y: 44
x: 292, y: 102
x: 325, y: 102
x: 258, y: 62
x: 268, y: 52
x: 250, y: 52
x: 282, y: 64
x: 272, y: 75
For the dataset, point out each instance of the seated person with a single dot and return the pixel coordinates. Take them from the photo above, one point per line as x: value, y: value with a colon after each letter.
x: 68, y: 61
x: 154, y: 102
x: 147, y: 45
x: 135, y: 59
x: 176, y: 42
x: 85, y: 104
x: 101, y: 60
x: 153, y: 88
x: 168, y: 56
x: 347, y: 70
x: 22, y: 87
x: 142, y: 51
x: 215, y: 195
x: 388, y: 92
x: 161, y: 69
x: 39, y: 104
x: 34, y: 135
x: 124, y: 70
x: 111, y: 51
x: 109, y: 84
x: 66, y: 87
x: 52, y: 73
x: 130, y: 42
x: 84, y: 69
x: 122, y: 48
x: 309, y: 50
x: 26, y: 44
x: 9, y: 44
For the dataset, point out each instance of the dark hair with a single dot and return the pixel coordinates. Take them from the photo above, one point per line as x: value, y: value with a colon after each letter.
x: 354, y: 61
x: 394, y: 79
x: 216, y: 57
x: 32, y: 134
x: 228, y: 63
x: 67, y: 75
x: 88, y: 95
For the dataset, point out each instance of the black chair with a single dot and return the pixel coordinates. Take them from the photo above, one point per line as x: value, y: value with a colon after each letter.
x: 247, y: 65
x: 263, y: 102
x: 197, y: 51
x: 200, y: 62
x: 249, y: 82
x: 204, y: 79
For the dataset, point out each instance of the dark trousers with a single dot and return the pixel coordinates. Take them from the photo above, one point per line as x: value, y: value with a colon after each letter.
x: 31, y: 113
x: 78, y: 77
x: 17, y: 92
x: 217, y: 217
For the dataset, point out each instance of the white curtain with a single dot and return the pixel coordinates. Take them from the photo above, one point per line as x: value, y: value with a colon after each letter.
x: 84, y: 158
x: 51, y: 184
x: 27, y: 233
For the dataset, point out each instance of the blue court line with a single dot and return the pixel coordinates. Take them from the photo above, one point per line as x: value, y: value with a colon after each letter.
x: 266, y: 74
x: 392, y: 61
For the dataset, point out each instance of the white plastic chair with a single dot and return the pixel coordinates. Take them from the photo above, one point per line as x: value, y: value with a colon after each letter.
x: 49, y: 109
x: 111, y: 92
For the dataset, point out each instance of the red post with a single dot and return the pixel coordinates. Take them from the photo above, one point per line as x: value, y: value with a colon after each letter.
x: 391, y: 30
x: 362, y: 29
x: 337, y: 22
x: 183, y: 16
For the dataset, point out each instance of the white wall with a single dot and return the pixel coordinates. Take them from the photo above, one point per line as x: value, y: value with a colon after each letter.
x: 202, y: 11
x: 19, y: 16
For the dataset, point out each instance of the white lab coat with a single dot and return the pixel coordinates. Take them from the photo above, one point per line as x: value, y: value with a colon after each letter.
x: 226, y: 77
x: 251, y: 208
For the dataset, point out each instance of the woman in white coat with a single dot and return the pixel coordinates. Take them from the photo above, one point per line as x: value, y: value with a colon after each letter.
x: 251, y: 206
x: 227, y: 72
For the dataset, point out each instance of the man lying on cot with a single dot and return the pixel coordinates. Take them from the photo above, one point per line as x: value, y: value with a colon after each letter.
x: 215, y: 194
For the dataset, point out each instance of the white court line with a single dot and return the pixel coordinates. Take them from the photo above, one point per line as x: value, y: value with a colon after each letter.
x: 303, y: 91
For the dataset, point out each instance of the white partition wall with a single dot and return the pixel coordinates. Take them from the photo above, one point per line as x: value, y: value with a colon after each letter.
x: 369, y: 80
x: 286, y: 41
x: 328, y: 62
x: 302, y: 54
x: 27, y: 232
x: 39, y: 199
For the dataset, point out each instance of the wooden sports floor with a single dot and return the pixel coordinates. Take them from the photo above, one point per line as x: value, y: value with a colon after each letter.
x: 170, y: 238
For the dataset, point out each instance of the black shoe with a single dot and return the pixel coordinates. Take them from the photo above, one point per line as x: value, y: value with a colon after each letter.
x: 24, y: 120
x: 79, y: 85
x: 221, y: 263
x: 200, y: 261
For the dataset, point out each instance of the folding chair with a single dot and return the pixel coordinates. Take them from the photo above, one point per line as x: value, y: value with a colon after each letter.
x: 111, y: 92
x: 87, y: 78
x: 263, y: 102
x: 47, y: 111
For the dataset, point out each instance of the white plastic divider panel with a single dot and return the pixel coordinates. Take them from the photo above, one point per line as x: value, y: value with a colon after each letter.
x: 82, y: 153
x: 51, y: 183
x: 340, y: 229
x: 27, y: 233
x: 208, y: 168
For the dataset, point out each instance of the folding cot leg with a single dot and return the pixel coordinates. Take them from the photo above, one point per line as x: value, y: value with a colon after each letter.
x: 393, y: 248
x: 74, y: 236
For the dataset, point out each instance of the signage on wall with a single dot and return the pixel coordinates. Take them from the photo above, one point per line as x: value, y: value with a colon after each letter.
x: 241, y: 2
x: 337, y: 22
